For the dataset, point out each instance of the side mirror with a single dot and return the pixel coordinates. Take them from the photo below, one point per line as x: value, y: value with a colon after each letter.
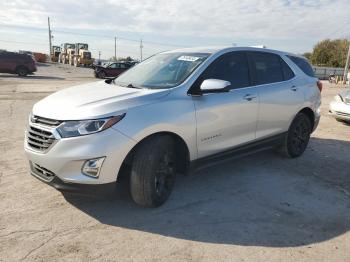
x: 215, y: 86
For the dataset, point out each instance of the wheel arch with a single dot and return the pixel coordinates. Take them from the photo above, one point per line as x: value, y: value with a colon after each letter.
x: 19, y: 66
x: 310, y: 114
x: 181, y: 148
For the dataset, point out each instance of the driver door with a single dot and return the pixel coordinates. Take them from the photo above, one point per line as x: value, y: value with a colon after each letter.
x: 226, y: 119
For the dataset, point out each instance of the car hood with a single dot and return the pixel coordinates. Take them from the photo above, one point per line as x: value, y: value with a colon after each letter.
x: 94, y: 100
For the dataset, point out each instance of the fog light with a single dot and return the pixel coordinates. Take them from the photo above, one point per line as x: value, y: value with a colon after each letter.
x: 92, y: 167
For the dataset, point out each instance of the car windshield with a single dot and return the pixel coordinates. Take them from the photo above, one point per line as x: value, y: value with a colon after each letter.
x: 165, y: 70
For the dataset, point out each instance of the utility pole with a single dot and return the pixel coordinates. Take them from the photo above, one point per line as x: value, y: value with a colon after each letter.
x: 50, y: 48
x: 99, y: 55
x: 346, y: 67
x: 115, y: 48
x: 141, y: 46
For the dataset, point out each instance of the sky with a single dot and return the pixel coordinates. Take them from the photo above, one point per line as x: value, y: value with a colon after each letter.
x: 294, y: 26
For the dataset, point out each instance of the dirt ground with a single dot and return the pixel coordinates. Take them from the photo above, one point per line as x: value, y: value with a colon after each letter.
x: 257, y: 208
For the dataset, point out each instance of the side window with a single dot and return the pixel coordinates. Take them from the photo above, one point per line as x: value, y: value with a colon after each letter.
x: 287, y: 72
x: 115, y: 65
x: 232, y: 67
x: 267, y: 68
x: 303, y: 64
x: 122, y: 66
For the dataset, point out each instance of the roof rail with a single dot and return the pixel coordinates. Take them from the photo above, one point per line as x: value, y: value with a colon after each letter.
x: 259, y: 46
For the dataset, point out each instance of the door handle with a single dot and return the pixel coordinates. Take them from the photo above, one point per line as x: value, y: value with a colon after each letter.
x: 294, y: 88
x: 249, y: 97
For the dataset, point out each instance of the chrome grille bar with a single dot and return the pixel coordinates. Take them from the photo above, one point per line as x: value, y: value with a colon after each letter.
x: 45, y: 121
x: 342, y: 114
x: 41, y: 172
x: 40, y: 134
x: 32, y: 131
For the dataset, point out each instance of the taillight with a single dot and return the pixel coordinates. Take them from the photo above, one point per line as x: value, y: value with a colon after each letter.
x: 319, y: 85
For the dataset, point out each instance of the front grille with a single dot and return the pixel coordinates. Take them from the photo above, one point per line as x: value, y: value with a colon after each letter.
x: 40, y: 135
x: 41, y: 172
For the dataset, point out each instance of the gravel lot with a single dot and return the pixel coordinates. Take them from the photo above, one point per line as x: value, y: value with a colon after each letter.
x: 258, y: 208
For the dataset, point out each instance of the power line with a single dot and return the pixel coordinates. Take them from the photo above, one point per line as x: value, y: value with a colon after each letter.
x: 94, y: 50
x: 122, y: 38
x: 339, y: 29
x: 20, y: 42
x: 95, y: 35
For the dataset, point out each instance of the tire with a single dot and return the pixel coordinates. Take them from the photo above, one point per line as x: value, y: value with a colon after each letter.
x: 101, y: 74
x: 298, y: 136
x: 153, y: 171
x: 22, y: 71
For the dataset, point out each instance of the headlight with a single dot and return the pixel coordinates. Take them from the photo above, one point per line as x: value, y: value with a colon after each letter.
x: 338, y: 98
x: 86, y: 127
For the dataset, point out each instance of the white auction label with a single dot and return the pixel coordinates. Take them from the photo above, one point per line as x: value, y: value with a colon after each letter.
x: 188, y: 58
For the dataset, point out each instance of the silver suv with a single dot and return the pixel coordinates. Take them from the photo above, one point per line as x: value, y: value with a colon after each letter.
x: 174, y: 111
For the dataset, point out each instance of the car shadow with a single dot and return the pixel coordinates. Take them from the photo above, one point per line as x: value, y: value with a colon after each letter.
x: 258, y: 200
x: 44, y: 64
x: 30, y: 77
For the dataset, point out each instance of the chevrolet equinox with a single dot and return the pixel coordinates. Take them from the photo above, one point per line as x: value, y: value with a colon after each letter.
x: 174, y: 111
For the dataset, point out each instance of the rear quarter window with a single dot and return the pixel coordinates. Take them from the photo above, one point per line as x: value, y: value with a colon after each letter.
x: 303, y: 64
x: 287, y: 72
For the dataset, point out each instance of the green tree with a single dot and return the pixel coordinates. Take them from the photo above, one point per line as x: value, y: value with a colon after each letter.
x: 330, y: 53
x: 307, y: 55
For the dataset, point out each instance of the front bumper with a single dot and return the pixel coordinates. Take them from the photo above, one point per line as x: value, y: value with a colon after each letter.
x: 340, y: 110
x: 64, y: 160
x: 87, y: 189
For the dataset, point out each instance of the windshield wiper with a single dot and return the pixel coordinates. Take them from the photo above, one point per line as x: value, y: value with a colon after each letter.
x: 110, y: 80
x: 129, y: 86
x: 132, y: 86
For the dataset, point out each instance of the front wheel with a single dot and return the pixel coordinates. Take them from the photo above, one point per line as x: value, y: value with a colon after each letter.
x: 101, y: 74
x: 153, y: 171
x: 298, y: 136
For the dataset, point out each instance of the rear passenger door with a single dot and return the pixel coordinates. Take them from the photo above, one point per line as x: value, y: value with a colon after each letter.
x: 226, y: 120
x: 280, y: 97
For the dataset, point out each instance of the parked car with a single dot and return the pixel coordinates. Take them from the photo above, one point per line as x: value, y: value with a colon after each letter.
x: 15, y: 63
x: 171, y: 113
x: 339, y: 108
x: 112, y: 69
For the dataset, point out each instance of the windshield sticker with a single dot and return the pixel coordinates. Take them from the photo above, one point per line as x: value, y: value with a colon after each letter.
x: 188, y: 58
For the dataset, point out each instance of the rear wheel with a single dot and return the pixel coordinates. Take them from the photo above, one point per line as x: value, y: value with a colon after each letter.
x: 298, y: 136
x: 153, y: 171
x: 22, y: 71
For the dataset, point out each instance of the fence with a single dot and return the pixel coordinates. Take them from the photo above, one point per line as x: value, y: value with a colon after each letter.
x: 324, y: 72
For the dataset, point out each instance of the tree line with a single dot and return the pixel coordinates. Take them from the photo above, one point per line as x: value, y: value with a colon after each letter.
x: 331, y: 53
